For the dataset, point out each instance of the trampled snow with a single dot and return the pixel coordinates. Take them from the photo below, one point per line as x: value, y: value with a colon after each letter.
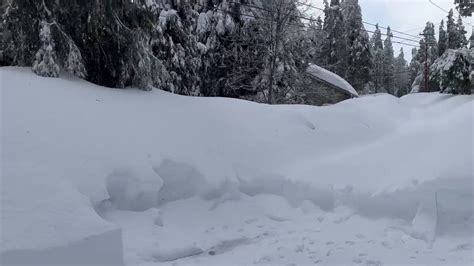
x: 156, y: 178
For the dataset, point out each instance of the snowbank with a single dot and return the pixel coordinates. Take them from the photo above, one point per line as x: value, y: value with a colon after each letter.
x: 70, y: 148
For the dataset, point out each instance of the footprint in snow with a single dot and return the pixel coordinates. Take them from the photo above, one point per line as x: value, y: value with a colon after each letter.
x: 463, y: 247
x: 373, y: 263
x: 299, y: 248
x: 350, y: 243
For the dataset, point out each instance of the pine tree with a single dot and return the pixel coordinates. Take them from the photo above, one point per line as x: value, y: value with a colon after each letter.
x: 465, y: 7
x: 358, y: 43
x: 452, y: 72
x: 334, y: 48
x: 456, y: 32
x: 315, y: 37
x: 442, y: 39
x: 461, y: 32
x: 45, y: 63
x: 376, y: 40
x: 388, y: 63
x: 402, y: 74
x: 451, y: 30
x: 427, y: 55
x: 378, y: 60
x: 414, y: 69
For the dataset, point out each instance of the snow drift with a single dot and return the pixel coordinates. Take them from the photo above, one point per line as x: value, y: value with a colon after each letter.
x: 73, y: 151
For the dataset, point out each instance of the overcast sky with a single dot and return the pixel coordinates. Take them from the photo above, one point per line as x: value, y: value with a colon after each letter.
x: 405, y: 15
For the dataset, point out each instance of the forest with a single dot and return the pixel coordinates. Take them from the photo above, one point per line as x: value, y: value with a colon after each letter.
x: 251, y: 49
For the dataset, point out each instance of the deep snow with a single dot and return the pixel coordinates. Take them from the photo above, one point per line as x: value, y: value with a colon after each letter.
x: 367, y: 181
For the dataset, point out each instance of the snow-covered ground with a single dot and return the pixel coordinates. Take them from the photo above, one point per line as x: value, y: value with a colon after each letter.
x: 92, y: 175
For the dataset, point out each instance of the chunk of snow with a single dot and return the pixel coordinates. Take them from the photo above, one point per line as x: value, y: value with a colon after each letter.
x: 331, y: 78
x: 164, y: 254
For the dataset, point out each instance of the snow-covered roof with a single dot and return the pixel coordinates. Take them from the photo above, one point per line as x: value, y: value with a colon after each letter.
x: 327, y: 76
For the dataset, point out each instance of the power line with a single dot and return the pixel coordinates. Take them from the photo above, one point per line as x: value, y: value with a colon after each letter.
x: 365, y: 22
x: 436, y: 5
x: 314, y: 20
x: 399, y: 32
x: 304, y: 18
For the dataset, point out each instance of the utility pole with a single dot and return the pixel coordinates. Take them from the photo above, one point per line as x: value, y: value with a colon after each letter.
x: 427, y: 89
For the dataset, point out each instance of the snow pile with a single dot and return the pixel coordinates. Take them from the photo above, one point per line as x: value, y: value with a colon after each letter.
x: 329, y: 77
x: 80, y: 162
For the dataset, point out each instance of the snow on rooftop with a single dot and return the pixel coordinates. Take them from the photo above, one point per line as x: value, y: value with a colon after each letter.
x: 332, y: 78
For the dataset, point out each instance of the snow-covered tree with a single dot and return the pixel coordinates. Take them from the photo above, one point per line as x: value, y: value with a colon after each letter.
x: 315, y: 37
x: 335, y: 47
x: 415, y: 69
x: 376, y: 39
x: 402, y: 75
x: 461, y: 33
x: 388, y: 63
x: 427, y: 55
x: 465, y: 7
x: 442, y: 39
x: 456, y: 32
x: 452, y: 71
x: 359, y: 58
x: 45, y: 63
x: 377, y: 60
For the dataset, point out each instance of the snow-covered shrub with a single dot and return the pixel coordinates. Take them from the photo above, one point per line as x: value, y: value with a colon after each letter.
x: 452, y: 71
x: 74, y: 63
x: 45, y: 61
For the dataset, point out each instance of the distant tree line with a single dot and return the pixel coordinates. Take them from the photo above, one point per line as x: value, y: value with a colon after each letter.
x: 251, y: 49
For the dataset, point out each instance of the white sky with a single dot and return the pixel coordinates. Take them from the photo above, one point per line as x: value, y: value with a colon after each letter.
x: 404, y: 15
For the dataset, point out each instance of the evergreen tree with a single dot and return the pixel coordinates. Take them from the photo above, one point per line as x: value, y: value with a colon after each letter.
x: 452, y: 72
x: 376, y: 40
x: 456, y: 32
x: 414, y: 69
x: 388, y: 63
x: 427, y: 54
x: 334, y: 48
x: 45, y: 63
x: 461, y: 32
x: 358, y: 43
x: 451, y: 31
x: 315, y: 36
x: 378, y: 60
x: 402, y: 74
x: 465, y: 7
x: 442, y: 39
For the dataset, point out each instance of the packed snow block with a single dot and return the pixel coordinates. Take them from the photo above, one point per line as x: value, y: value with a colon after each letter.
x: 131, y: 191
x: 103, y: 249
x: 46, y: 221
x: 425, y: 222
x: 180, y: 181
x: 171, y: 254
x: 451, y: 200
